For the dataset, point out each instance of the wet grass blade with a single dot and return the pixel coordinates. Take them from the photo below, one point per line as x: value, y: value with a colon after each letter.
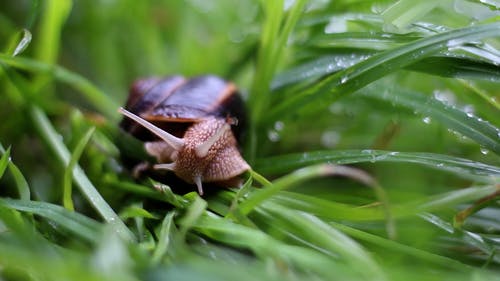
x: 68, y: 172
x: 458, y: 166
x: 481, y: 131
x: 353, y: 78
x: 267, y: 247
x: 78, y: 224
x: 5, y: 160
x: 313, y: 232
x: 51, y: 137
x: 445, y: 65
x: 23, y: 188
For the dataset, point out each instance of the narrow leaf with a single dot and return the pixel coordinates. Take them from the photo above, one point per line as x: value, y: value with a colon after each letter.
x: 51, y: 137
x: 353, y: 78
x: 68, y: 172
x: 466, y: 124
x: 4, y: 161
x: 459, y: 166
x: 24, y: 43
x: 78, y: 224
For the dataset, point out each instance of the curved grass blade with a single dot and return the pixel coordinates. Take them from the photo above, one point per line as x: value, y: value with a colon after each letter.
x: 78, y: 224
x: 49, y: 134
x: 306, y: 173
x: 339, y: 211
x: 404, y: 12
x: 466, y: 237
x: 445, y: 65
x: 397, y: 247
x: 90, y: 92
x: 275, y: 34
x: 269, y: 248
x: 5, y: 160
x: 361, y: 40
x: 23, y: 43
x: 311, y: 231
x: 475, y: 128
x: 459, y: 166
x: 22, y: 185
x: 457, y: 67
x: 356, y: 77
x: 68, y: 172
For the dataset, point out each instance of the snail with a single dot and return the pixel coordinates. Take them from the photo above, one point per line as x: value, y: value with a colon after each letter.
x: 191, y: 126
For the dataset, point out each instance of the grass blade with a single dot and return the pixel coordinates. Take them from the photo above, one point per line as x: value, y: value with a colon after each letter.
x: 104, y: 104
x: 353, y: 78
x: 78, y: 224
x: 5, y: 160
x: 445, y: 65
x: 48, y: 133
x: 269, y: 248
x: 164, y: 239
x: 68, y: 172
x: 397, y: 247
x: 458, y: 166
x: 310, y: 230
x: 23, y: 188
x: 475, y: 128
x: 24, y: 43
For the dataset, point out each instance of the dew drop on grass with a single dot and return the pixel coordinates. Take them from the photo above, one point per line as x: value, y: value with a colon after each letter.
x: 469, y: 110
x: 344, y: 79
x: 445, y: 96
x: 454, y: 43
x: 427, y: 120
x: 330, y: 139
x: 336, y: 25
x: 279, y: 125
x: 371, y: 153
x: 484, y: 151
x: 273, y: 136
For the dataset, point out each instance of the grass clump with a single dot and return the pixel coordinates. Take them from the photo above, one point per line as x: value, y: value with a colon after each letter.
x: 373, y: 139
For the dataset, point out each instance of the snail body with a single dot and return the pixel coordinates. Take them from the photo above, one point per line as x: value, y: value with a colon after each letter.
x: 191, y: 126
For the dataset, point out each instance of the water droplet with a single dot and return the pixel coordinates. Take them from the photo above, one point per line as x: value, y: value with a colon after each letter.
x: 469, y: 110
x: 344, y: 79
x: 330, y: 139
x: 279, y: 125
x: 427, y: 120
x: 336, y: 25
x: 484, y: 151
x: 445, y: 96
x: 439, y: 165
x: 273, y: 136
x: 454, y: 43
x: 372, y: 153
x: 305, y: 155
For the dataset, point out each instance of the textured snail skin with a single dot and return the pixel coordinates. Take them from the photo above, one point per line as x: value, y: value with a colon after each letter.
x: 208, y: 149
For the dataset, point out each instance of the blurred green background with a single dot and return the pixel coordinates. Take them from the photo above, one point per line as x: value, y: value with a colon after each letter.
x: 406, y: 93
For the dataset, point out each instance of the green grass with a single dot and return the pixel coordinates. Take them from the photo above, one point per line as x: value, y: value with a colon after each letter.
x: 374, y: 141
